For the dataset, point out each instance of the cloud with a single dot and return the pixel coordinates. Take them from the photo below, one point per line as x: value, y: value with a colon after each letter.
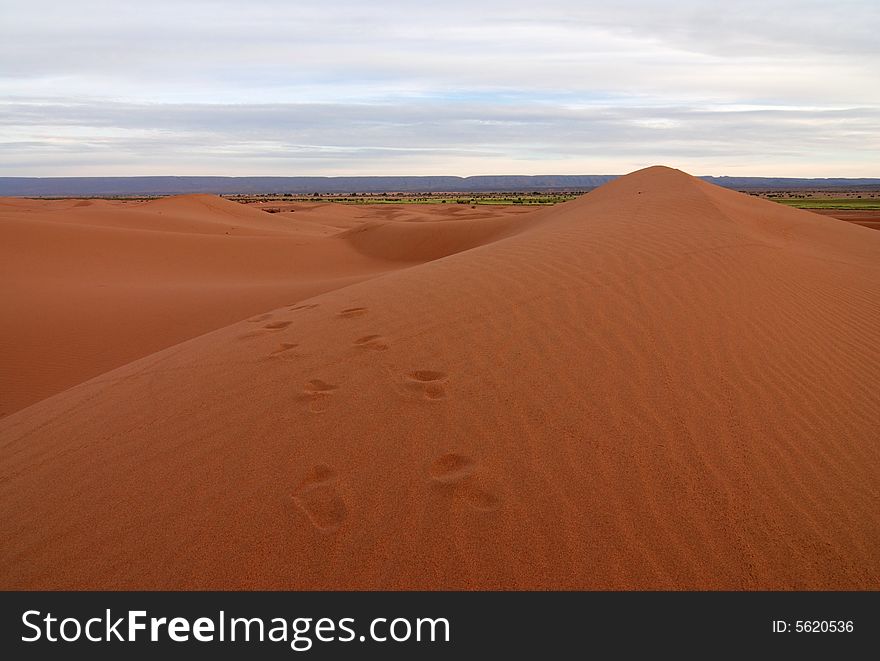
x: 331, y: 87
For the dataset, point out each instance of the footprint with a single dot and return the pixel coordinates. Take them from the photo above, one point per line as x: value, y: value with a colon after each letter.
x: 318, y: 386
x: 318, y: 393
x: 318, y: 497
x: 451, y: 467
x: 428, y: 382
x: 481, y: 498
x: 260, y: 317
x: 273, y: 326
x: 277, y: 325
x: 285, y: 346
x: 374, y: 342
x: 352, y: 312
x: 457, y: 474
x: 427, y: 375
x: 307, y: 306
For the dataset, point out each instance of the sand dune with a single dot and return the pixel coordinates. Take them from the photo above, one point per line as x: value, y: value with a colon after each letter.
x: 663, y: 384
x: 89, y: 285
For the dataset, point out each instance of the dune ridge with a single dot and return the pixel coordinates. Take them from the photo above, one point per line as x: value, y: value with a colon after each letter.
x: 660, y: 385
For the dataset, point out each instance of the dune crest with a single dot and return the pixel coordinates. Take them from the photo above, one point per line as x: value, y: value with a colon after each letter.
x: 660, y: 385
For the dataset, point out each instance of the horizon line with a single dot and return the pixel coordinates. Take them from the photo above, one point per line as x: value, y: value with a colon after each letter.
x: 415, y: 176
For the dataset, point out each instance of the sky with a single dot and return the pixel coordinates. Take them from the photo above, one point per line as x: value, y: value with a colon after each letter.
x: 293, y: 88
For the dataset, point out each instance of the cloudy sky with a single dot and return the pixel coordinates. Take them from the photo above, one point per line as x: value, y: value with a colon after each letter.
x: 297, y: 87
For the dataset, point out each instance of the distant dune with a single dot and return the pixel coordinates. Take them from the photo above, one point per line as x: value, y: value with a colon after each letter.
x: 660, y: 385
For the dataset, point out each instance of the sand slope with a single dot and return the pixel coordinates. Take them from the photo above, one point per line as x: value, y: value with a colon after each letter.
x: 663, y: 384
x: 89, y: 285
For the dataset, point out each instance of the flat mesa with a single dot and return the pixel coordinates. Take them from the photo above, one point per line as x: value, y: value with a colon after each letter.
x: 662, y: 384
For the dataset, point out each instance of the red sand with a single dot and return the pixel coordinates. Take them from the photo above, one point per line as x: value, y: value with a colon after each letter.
x: 864, y: 217
x: 663, y: 384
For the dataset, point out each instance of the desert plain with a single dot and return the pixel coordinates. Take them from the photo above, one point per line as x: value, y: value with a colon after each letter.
x: 662, y: 384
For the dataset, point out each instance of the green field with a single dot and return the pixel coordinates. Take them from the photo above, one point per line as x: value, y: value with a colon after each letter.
x: 844, y: 203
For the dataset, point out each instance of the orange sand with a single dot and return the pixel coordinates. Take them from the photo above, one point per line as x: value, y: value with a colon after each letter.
x: 663, y: 384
